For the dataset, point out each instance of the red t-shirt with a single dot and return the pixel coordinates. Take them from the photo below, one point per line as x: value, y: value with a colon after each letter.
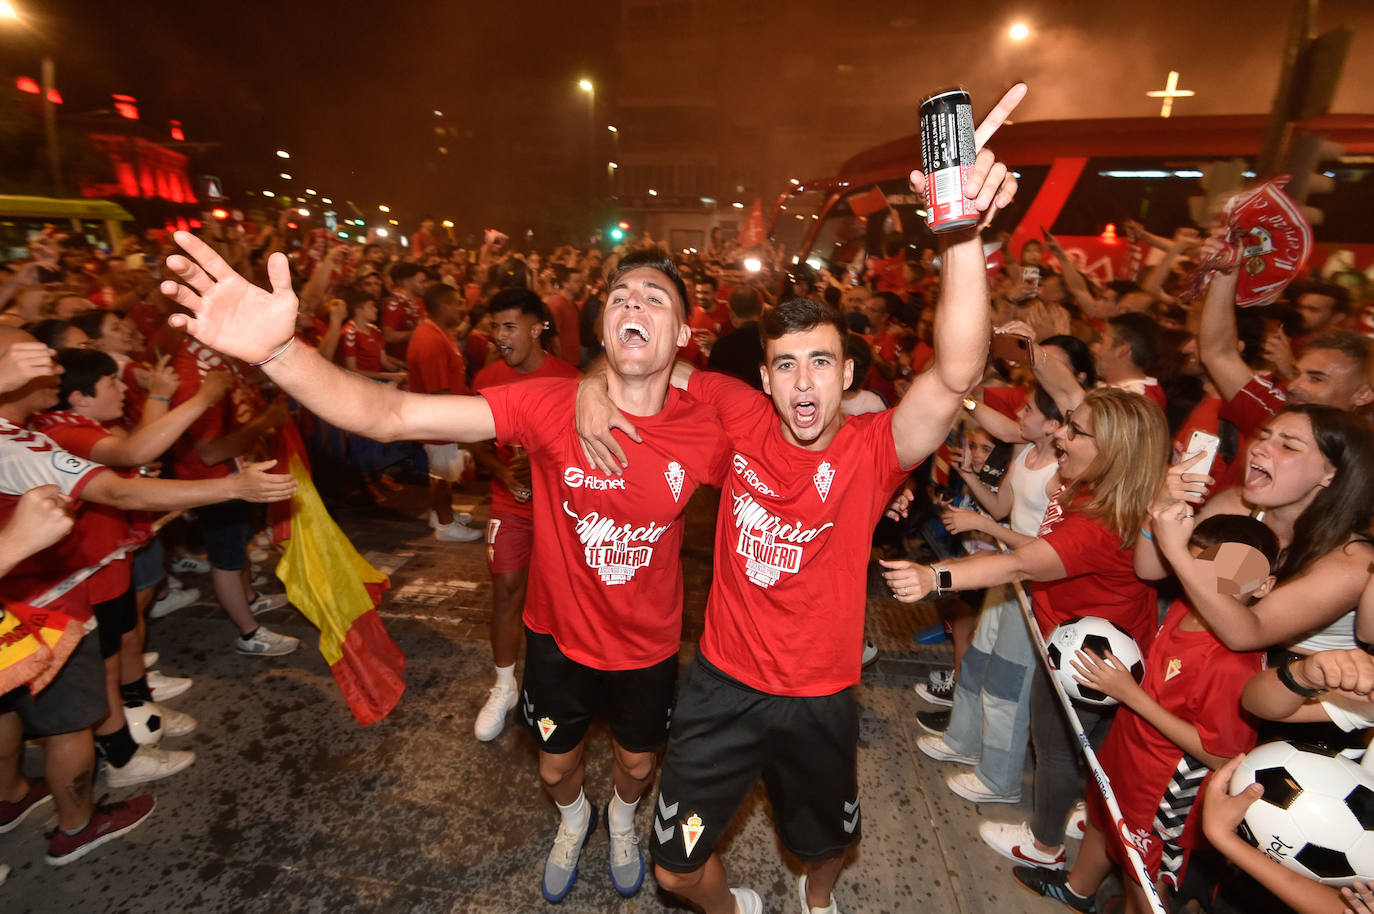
x: 1194, y: 677
x: 364, y: 344
x: 606, y: 575
x: 1146, y: 387
x: 99, y: 529
x: 235, y: 410
x: 433, y: 362
x: 503, y: 504
x: 565, y: 321
x: 887, y: 273
x: 135, y: 394
x: 1253, y: 405
x: 399, y: 312
x: 475, y: 349
x: 1099, y: 577
x: 28, y: 460
x: 786, y: 609
x: 1006, y: 400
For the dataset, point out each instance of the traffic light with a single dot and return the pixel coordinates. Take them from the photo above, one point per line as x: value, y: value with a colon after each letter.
x: 617, y: 232
x: 220, y: 214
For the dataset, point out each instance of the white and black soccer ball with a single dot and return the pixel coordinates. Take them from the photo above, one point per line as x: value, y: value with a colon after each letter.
x: 1089, y: 633
x: 1317, y: 813
x: 144, y: 719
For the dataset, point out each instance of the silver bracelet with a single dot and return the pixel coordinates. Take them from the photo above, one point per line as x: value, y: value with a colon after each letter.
x: 285, y: 346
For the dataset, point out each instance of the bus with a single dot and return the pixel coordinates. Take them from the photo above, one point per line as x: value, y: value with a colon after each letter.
x: 23, y: 218
x: 1080, y: 180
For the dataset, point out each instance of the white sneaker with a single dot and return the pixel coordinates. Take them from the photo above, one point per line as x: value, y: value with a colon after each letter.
x: 747, y: 901
x: 175, y: 599
x: 968, y: 785
x: 456, y: 533
x: 266, y: 643
x: 1015, y: 842
x: 175, y: 583
x: 491, y: 720
x: 934, y: 746
x: 462, y: 517
x: 148, y: 764
x: 831, y: 908
x: 150, y: 660
x: 869, y: 655
x: 165, y: 688
x: 190, y: 564
x: 1077, y: 825
x: 177, y: 723
x: 266, y: 602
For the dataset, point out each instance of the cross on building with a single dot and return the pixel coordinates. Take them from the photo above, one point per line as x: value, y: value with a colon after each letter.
x: 1170, y: 92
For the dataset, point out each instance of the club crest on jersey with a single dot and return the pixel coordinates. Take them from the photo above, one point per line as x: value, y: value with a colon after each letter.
x: 822, y: 479
x: 691, y: 831
x: 1173, y: 669
x: 674, y: 475
x: 546, y: 728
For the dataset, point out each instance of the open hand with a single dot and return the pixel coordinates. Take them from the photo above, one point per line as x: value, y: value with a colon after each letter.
x: 596, y: 418
x: 1107, y: 674
x: 961, y: 520
x: 228, y: 313
x: 23, y: 362
x: 256, y: 484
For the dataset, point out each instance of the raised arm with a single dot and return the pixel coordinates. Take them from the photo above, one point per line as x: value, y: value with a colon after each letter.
x: 1217, y: 342
x: 233, y: 316
x: 963, y: 317
x: 152, y: 438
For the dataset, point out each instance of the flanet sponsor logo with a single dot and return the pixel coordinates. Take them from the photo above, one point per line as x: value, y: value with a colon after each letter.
x: 577, y: 478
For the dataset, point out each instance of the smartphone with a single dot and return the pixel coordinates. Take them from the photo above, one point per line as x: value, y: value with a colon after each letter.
x: 1206, y: 443
x: 1011, y: 347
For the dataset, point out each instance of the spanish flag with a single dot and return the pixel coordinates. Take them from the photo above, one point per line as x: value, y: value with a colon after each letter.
x: 338, y: 591
x: 34, y: 643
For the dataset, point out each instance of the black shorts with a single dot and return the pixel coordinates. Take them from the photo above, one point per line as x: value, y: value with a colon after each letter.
x: 227, y: 528
x: 725, y: 737
x: 74, y: 700
x: 559, y: 697
x: 116, y: 618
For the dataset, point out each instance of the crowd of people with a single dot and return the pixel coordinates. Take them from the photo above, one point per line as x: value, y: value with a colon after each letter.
x: 846, y: 415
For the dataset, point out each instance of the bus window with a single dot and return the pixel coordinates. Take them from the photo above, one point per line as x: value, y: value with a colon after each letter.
x: 794, y: 219
x: 1345, y: 210
x: 1153, y: 191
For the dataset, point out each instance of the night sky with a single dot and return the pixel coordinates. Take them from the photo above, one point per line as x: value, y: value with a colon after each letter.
x: 350, y: 88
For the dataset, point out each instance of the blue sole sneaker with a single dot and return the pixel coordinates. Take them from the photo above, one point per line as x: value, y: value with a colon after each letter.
x: 627, y: 861
x: 560, y: 869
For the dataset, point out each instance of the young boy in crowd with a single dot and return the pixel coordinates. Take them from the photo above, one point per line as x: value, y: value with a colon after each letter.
x: 1180, y: 723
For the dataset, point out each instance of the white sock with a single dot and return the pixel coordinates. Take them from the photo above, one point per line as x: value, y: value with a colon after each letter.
x: 575, y: 814
x: 505, y: 676
x: 620, y: 816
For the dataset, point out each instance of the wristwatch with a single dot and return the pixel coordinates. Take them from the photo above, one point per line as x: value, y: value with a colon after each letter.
x: 944, y: 581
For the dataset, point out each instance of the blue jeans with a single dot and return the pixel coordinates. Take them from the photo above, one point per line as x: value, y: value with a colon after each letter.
x: 991, y: 715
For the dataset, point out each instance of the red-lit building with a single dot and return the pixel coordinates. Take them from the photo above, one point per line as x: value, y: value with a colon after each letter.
x: 142, y: 170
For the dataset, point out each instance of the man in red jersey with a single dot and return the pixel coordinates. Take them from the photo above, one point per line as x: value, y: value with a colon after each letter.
x: 401, y: 310
x: 603, y: 615
x: 769, y: 694
x: 436, y: 366
x: 520, y: 320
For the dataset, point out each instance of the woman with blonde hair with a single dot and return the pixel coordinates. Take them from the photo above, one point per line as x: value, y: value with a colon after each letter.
x: 1113, y: 452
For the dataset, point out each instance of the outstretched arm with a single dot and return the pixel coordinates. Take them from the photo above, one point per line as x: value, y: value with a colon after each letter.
x: 1217, y: 342
x: 963, y: 318
x: 235, y: 317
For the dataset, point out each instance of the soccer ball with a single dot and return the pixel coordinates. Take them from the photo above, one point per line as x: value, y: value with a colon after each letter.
x: 1089, y: 633
x: 1317, y: 813
x: 145, y: 722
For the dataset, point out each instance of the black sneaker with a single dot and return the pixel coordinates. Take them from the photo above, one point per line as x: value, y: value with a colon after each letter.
x: 936, y: 722
x: 1053, y: 884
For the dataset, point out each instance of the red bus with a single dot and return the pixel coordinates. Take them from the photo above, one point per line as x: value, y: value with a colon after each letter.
x: 1081, y: 180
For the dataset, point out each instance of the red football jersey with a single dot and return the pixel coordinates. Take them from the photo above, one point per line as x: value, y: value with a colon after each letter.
x: 1099, y: 578
x: 606, y: 575
x: 494, y: 375
x: 363, y: 343
x: 786, y: 609
x: 399, y: 312
x: 434, y: 363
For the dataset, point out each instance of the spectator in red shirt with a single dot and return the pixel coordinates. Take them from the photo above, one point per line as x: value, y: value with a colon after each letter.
x: 564, y: 308
x: 435, y: 366
x: 422, y: 243
x: 361, y: 342
x: 401, y: 311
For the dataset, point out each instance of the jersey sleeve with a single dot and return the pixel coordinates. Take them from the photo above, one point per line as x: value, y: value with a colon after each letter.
x: 741, y: 407
x: 394, y: 314
x: 348, y: 342
x: 1252, y: 406
x: 526, y: 413
x: 1006, y: 400
x: 1081, y: 544
x: 78, y: 439
x: 29, y: 460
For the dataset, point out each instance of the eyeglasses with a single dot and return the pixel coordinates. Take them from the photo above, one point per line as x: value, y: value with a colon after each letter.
x: 1072, y: 430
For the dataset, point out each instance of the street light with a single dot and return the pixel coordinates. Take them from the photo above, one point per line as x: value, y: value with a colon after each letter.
x: 1019, y: 32
x: 7, y: 11
x: 652, y: 192
x: 283, y: 154
x: 612, y: 129
x: 586, y: 85
x: 384, y: 208
x: 311, y: 192
x: 285, y: 176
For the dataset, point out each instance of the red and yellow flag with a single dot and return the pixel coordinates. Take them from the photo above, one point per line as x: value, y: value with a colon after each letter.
x: 338, y: 591
x: 34, y: 643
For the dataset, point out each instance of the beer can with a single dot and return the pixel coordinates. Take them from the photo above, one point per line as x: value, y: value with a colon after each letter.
x: 948, y: 151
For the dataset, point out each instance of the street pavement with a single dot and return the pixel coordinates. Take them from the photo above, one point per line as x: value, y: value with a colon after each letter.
x: 291, y: 806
